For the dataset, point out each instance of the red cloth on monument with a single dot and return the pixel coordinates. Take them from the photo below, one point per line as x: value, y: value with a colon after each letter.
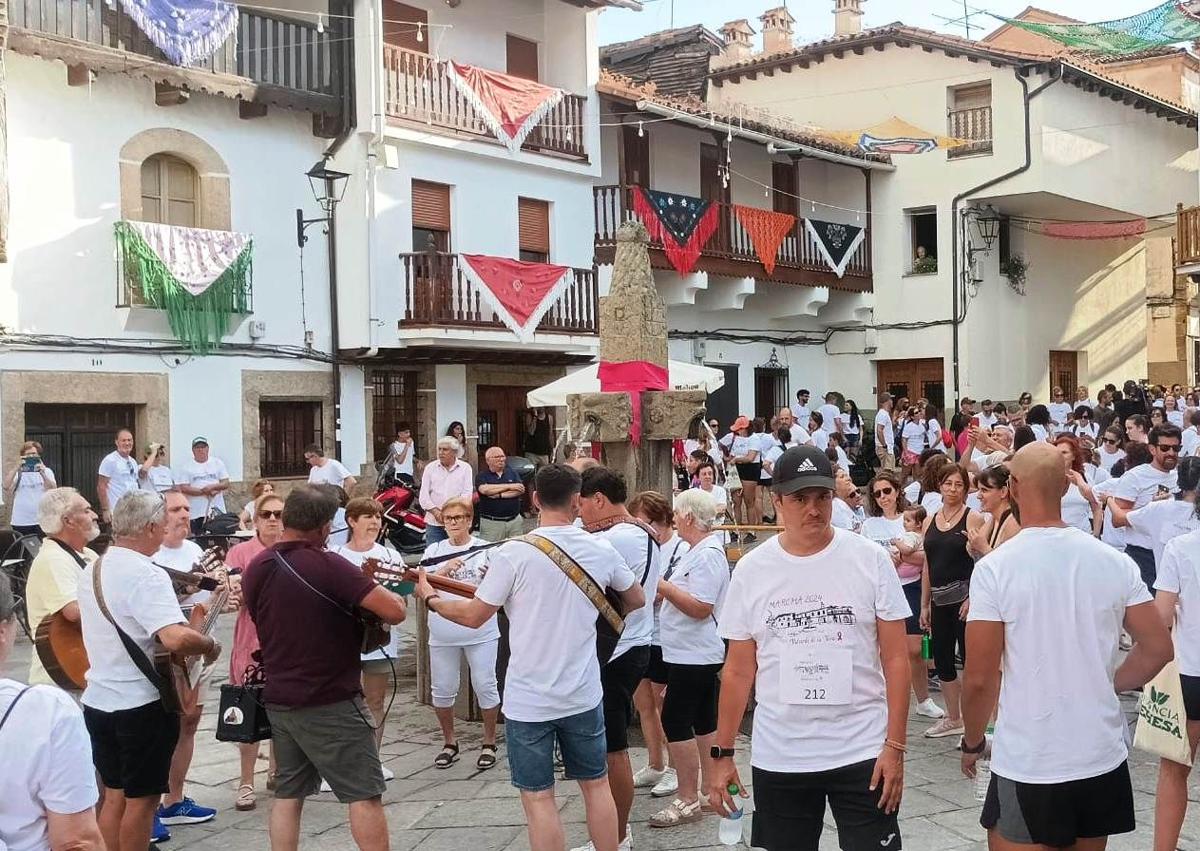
x: 633, y: 377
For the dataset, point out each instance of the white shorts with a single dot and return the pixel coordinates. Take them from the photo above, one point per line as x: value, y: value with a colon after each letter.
x: 444, y: 673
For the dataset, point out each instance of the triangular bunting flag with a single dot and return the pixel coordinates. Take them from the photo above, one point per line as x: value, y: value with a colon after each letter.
x: 767, y: 229
x: 518, y: 291
x: 682, y: 223
x: 510, y: 106
x: 836, y: 242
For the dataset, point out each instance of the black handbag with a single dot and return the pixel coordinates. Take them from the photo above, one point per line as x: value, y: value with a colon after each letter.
x: 242, y: 716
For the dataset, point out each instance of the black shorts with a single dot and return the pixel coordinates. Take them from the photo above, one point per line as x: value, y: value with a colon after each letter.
x: 765, y: 483
x: 749, y: 473
x: 1059, y: 814
x: 132, y: 748
x: 1191, y: 696
x: 912, y: 593
x: 656, y: 670
x: 789, y: 810
x: 690, y: 705
x: 620, y: 679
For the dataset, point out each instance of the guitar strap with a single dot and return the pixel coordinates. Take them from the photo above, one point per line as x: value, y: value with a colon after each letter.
x: 136, y: 654
x: 651, y: 541
x: 576, y: 573
x: 13, y: 705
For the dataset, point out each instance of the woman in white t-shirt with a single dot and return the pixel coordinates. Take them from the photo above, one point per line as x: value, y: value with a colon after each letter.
x: 29, y: 479
x: 693, y: 652
x: 449, y: 642
x: 912, y: 433
x: 933, y: 430
x: 745, y: 453
x: 154, y: 474
x: 707, y: 477
x: 1038, y: 419
x: 48, y: 784
x: 1082, y: 426
x: 1080, y: 508
x: 1174, y: 412
x: 852, y: 423
x: 1109, y: 451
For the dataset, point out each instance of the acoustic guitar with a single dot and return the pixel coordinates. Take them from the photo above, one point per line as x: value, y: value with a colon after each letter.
x: 390, y: 575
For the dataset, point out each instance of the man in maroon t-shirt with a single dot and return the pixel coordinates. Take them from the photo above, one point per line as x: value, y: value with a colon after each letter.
x: 304, y: 602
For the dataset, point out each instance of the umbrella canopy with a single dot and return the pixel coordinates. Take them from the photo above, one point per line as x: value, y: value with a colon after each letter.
x: 684, y: 376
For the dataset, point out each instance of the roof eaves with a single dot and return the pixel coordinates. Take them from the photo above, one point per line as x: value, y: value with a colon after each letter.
x: 1077, y: 73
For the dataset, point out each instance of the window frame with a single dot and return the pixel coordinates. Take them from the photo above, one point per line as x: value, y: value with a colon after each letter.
x: 533, y: 249
x: 910, y: 220
x: 301, y: 435
x: 165, y: 197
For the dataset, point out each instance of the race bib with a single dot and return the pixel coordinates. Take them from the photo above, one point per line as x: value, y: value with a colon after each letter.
x: 816, y: 675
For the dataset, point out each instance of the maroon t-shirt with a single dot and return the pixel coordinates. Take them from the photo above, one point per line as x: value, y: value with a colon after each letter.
x: 310, y: 646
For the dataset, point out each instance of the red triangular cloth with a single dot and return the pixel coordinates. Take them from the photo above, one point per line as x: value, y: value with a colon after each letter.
x: 510, y: 106
x: 632, y: 377
x: 767, y: 230
x: 518, y: 291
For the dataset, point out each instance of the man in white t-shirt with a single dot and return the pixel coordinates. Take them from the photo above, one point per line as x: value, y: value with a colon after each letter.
x: 831, y: 414
x: 327, y: 471
x: 800, y: 407
x: 552, y: 689
x: 602, y: 507
x: 133, y: 734
x: 400, y: 453
x: 1047, y: 610
x: 1144, y: 483
x: 117, y: 476
x: 987, y: 415
x: 885, y: 432
x: 815, y: 619
x: 204, y: 480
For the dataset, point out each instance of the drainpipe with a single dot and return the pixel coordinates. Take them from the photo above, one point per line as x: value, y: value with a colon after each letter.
x: 955, y: 284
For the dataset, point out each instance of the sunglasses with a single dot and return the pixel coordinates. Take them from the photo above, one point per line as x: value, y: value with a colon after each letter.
x: 271, y: 515
x: 1110, y: 441
x: 883, y: 492
x: 1167, y: 447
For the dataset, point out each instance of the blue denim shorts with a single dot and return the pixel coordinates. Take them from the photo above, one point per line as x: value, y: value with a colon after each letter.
x: 531, y: 749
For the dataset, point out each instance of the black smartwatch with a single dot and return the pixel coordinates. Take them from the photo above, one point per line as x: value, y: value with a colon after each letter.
x: 720, y: 753
x: 980, y: 748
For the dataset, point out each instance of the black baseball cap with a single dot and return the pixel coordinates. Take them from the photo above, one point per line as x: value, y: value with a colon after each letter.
x: 802, y: 467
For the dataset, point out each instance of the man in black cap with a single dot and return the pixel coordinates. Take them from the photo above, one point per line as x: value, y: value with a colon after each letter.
x: 815, y: 621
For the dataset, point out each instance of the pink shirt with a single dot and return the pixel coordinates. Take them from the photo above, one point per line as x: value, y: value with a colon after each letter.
x: 438, y: 484
x: 245, y: 635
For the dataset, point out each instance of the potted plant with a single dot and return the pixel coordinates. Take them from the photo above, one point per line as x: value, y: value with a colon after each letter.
x: 1016, y: 269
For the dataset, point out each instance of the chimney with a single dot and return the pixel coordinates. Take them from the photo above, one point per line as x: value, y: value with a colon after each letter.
x: 737, y: 41
x: 777, y: 30
x: 847, y: 17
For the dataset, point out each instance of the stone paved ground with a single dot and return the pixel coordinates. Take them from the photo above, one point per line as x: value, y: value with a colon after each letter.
x: 463, y: 809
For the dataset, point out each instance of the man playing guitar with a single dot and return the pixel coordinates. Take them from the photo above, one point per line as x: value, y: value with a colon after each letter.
x: 125, y: 605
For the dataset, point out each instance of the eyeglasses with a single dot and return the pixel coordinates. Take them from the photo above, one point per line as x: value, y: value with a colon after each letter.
x: 454, y: 518
x: 883, y: 492
x: 270, y: 515
x: 1167, y: 447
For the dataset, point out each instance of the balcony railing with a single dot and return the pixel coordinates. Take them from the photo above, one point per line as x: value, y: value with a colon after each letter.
x: 437, y: 293
x: 1187, y: 236
x: 730, y: 252
x: 419, y: 90
x: 267, y: 49
x: 973, y: 124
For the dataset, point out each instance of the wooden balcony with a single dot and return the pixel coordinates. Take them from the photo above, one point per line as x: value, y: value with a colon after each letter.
x: 271, y: 59
x: 730, y: 252
x: 438, y: 294
x: 973, y: 124
x: 1187, y: 237
x: 419, y: 91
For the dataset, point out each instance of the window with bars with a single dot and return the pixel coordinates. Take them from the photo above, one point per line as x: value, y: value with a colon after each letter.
x: 394, y: 395
x: 286, y: 428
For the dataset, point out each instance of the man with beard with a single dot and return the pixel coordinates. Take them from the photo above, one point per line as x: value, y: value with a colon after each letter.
x: 70, y: 525
x: 1144, y: 483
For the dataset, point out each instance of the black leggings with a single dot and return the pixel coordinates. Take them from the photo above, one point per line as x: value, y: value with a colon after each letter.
x: 946, y: 630
x: 690, y: 706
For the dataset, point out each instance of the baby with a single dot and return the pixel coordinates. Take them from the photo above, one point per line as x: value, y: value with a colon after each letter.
x: 910, y: 544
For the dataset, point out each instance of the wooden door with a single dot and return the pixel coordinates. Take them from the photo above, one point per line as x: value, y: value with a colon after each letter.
x: 635, y: 151
x: 500, y: 413
x: 75, y: 439
x: 711, y: 188
x: 402, y: 23
x: 522, y: 57
x: 1064, y: 371
x: 915, y: 378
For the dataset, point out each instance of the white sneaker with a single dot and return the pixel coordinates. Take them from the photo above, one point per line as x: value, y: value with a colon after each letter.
x: 626, y: 843
x: 930, y: 709
x: 388, y: 774
x: 944, y: 728
x: 668, y: 785
x: 645, y: 777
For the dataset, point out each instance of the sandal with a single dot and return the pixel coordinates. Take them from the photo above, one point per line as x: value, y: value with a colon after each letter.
x: 245, y: 800
x: 487, y: 757
x: 447, y: 757
x: 676, y: 814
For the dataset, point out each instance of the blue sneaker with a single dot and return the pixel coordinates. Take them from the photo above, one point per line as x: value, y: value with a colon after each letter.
x: 186, y: 811
x: 159, y: 833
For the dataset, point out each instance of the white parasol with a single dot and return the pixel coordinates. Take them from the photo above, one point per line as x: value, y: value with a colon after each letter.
x: 683, y: 375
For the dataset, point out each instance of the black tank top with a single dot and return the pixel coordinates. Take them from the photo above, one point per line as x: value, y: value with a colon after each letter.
x: 946, y: 552
x: 996, y: 529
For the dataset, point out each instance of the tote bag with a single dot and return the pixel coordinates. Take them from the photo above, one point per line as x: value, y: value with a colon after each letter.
x: 1162, y: 722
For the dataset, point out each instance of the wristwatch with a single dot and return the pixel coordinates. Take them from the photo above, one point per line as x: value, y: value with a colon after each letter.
x: 980, y: 748
x: 717, y: 752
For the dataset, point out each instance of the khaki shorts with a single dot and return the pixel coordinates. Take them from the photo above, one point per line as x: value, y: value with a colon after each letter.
x: 335, y: 742
x: 498, y: 530
x: 887, y: 461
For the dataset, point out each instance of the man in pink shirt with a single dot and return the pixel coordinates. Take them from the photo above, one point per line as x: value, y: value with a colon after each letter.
x: 449, y: 477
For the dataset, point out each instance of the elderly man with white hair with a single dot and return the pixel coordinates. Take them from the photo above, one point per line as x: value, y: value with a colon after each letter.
x: 70, y: 525
x: 449, y: 477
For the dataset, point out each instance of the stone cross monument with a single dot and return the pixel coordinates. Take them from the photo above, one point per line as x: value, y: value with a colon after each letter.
x: 633, y: 331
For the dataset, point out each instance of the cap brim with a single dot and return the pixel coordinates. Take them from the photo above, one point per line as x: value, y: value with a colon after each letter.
x: 799, y: 484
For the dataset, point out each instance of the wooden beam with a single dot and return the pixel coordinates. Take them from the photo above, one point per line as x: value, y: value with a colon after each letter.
x: 879, y: 45
x: 753, y: 75
x: 248, y: 109
x: 787, y: 69
x: 166, y: 94
x: 769, y: 72
x: 858, y: 51
x: 79, y: 75
x: 838, y: 54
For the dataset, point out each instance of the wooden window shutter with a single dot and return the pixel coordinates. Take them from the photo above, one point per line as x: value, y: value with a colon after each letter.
x: 534, y: 220
x: 783, y: 181
x: 430, y: 205
x: 522, y: 57
x: 400, y: 26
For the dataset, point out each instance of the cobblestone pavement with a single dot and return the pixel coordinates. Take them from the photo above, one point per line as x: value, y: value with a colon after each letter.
x: 464, y: 809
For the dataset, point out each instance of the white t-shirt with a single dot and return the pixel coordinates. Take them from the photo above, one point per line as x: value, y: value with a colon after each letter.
x: 933, y: 434
x: 820, y: 438
x: 198, y: 475
x: 1163, y: 521
x: 769, y: 459
x: 800, y: 412
x: 1039, y: 431
x: 1076, y: 510
x: 844, y: 419
x: 800, y: 435
x: 986, y: 421
x: 140, y: 598
x: 47, y: 764
x: 720, y: 497
x: 634, y: 545
x: 671, y: 552
x: 1060, y: 413
x: 30, y: 487
x: 1177, y: 572
x: 1061, y: 596
x: 159, y: 479
x: 766, y: 442
x: 742, y: 445
x: 1090, y: 430
x: 843, y: 515
x: 843, y: 460
x: 1107, y: 459
x: 339, y: 530
x: 1111, y: 535
x: 829, y: 417
x: 330, y: 473
x: 703, y: 572
x: 881, y: 530
x: 122, y: 474
x: 914, y: 437
x: 405, y: 466
x: 820, y: 610
x: 1139, y: 486
x: 385, y: 556
x: 883, y: 418
x: 1175, y: 418
x: 183, y: 558
x: 553, y: 671
x: 1189, y: 442
x: 444, y: 633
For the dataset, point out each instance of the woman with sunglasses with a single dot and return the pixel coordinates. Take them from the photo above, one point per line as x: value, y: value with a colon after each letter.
x: 268, y: 529
x: 1109, y: 452
x: 1082, y: 425
x: 885, y: 526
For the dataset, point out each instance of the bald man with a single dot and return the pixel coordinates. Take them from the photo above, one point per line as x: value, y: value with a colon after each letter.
x: 1046, y: 613
x: 500, y: 491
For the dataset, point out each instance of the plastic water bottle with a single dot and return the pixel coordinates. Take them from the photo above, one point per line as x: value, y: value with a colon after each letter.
x: 730, y: 830
x: 983, y: 768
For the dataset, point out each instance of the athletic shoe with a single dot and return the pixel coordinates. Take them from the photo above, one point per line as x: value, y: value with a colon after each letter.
x: 186, y: 811
x: 935, y: 683
x: 646, y: 777
x: 945, y: 727
x: 626, y: 843
x: 930, y: 709
x: 159, y: 832
x: 668, y: 785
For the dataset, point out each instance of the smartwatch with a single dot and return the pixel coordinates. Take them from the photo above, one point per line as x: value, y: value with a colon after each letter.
x: 720, y: 753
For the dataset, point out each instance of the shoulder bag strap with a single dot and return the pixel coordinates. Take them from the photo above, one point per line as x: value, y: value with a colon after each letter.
x: 136, y: 654
x: 582, y: 579
x: 13, y: 705
x: 79, y: 560
x: 279, y: 559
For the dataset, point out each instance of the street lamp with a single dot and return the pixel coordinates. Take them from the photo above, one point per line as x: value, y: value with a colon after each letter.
x: 987, y: 221
x: 328, y: 187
